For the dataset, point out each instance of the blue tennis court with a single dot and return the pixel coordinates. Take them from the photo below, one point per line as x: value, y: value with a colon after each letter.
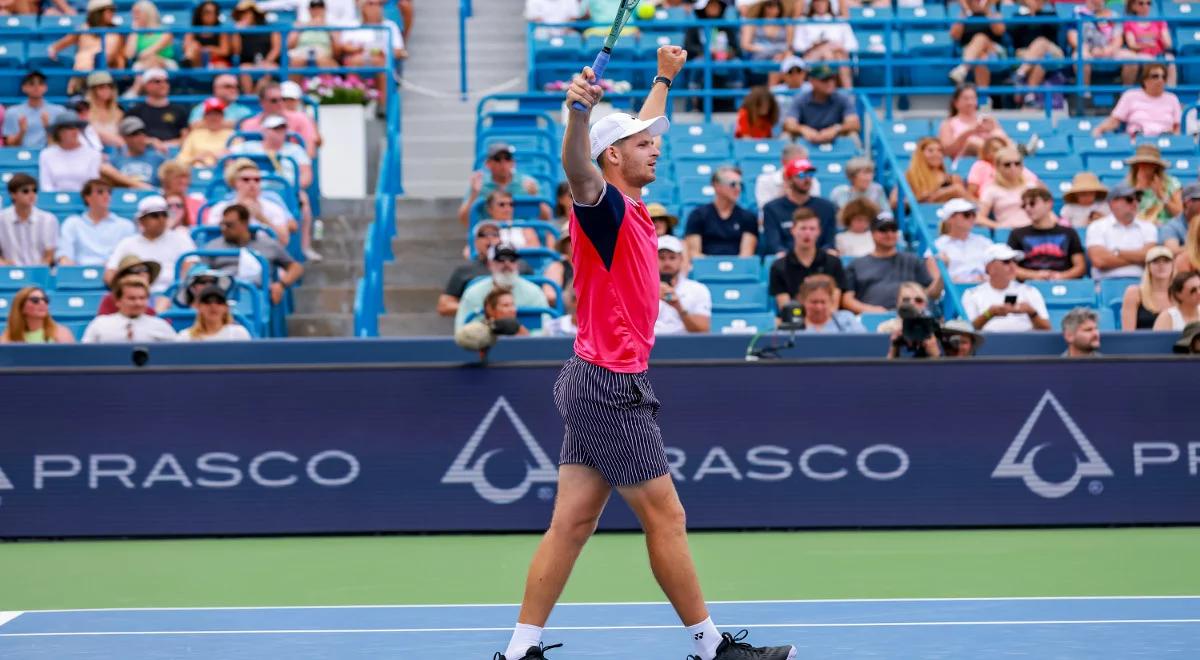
x: 1150, y: 627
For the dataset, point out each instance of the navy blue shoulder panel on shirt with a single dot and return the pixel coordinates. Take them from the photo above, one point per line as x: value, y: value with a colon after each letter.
x: 602, y: 222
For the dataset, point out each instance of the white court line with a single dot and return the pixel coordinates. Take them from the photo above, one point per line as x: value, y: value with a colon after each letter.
x: 5, y: 617
x: 359, y: 631
x: 957, y: 599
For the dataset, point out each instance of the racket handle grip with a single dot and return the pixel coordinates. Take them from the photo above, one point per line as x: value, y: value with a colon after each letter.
x: 598, y: 68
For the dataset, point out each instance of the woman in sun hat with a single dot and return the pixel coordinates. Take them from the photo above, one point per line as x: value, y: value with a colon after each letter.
x: 1161, y: 197
x: 1085, y: 200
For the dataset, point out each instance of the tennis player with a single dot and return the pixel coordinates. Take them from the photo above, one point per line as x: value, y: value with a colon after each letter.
x: 612, y: 440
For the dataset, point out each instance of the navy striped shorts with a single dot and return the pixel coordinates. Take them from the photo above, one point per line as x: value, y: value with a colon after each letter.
x: 611, y: 423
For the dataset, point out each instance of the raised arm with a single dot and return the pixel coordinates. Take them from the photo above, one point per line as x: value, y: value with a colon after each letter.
x: 670, y: 63
x: 586, y: 183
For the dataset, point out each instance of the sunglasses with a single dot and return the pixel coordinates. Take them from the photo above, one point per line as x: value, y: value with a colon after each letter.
x: 212, y: 300
x: 488, y: 234
x: 137, y: 270
x: 887, y: 229
x: 1155, y: 76
x: 967, y: 214
x: 204, y: 281
x: 732, y: 184
x: 250, y: 179
x: 502, y: 157
x: 230, y: 223
x: 37, y: 300
x: 1028, y: 204
x: 1011, y: 163
x: 907, y: 300
x: 802, y: 175
x: 1128, y: 198
x: 273, y: 99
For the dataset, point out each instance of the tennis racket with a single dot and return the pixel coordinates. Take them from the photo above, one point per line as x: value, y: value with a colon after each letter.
x: 624, y: 11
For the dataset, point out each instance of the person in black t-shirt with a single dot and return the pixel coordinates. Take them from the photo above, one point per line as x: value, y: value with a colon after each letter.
x: 1052, y: 252
x: 166, y: 122
x: 804, y: 259
x: 721, y: 227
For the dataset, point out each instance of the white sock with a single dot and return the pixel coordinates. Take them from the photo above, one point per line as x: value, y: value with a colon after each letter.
x: 524, y: 636
x: 706, y: 638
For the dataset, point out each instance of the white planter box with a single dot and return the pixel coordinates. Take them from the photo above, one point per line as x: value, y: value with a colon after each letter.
x: 343, y: 151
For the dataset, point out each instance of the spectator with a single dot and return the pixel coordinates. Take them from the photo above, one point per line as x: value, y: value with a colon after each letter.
x: 860, y: 172
x: 817, y: 38
x: 777, y: 214
x: 927, y: 175
x: 565, y: 325
x: 1081, y: 330
x: 130, y: 323
x: 766, y: 43
x: 769, y: 185
x: 500, y: 304
x: 963, y: 132
x: 1102, y: 40
x: 1149, y: 40
x: 88, y: 135
x: 25, y: 124
x: 199, y: 278
x: 1159, y: 198
x: 1033, y: 42
x: 911, y: 294
x: 1117, y: 244
x: 244, y: 177
x: 758, y: 115
x: 154, y: 242
x: 291, y: 163
x: 819, y: 295
x: 270, y: 97
x: 67, y: 163
x: 28, y: 235
x: 1173, y: 234
x: 560, y: 270
x: 88, y: 46
x: 962, y: 250
x: 1001, y: 199
x: 983, y: 171
x: 793, y: 80
x: 105, y: 115
x: 368, y: 46
x: 213, y: 320
x: 1185, y: 293
x: 131, y: 267
x: 1189, y: 340
x: 664, y: 222
x: 979, y: 41
x: 502, y: 262
x: 166, y: 121
x: 804, y: 259
x: 1189, y: 259
x: 960, y: 339
x: 487, y: 234
x: 1150, y: 111
x: 236, y: 235
x: 552, y: 11
x: 1085, y: 200
x: 874, y: 280
x: 205, y: 143
x: 258, y: 50
x: 314, y: 47
x: 148, y: 49
x: 1052, y: 251
x: 855, y: 218
x: 224, y: 87
x: 292, y: 97
x: 207, y: 50
x: 183, y: 207
x: 501, y: 174
x: 29, y: 320
x: 1143, y: 302
x: 499, y: 207
x: 721, y: 227
x: 137, y: 160
x: 337, y: 12
x: 88, y: 239
x: 723, y: 45
x: 684, y: 305
x: 562, y: 206
x: 1002, y: 304
x: 821, y: 115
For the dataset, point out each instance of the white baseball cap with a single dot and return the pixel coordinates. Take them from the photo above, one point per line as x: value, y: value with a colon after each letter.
x: 956, y: 205
x: 1001, y: 252
x: 618, y: 126
x: 290, y: 89
x: 672, y: 243
x: 151, y: 204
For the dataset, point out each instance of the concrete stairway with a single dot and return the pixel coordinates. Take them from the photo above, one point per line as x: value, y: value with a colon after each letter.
x: 325, y: 300
x: 428, y: 247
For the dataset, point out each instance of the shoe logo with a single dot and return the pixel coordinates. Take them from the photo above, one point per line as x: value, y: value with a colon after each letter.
x: 1092, y: 465
x: 464, y: 471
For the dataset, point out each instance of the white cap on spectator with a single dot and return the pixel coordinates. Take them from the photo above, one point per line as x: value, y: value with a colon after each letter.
x: 96, y: 5
x: 290, y: 89
x: 792, y: 62
x: 151, y: 204
x: 155, y: 73
x: 274, y: 121
x: 670, y: 243
x: 956, y: 205
x: 618, y: 126
x: 1001, y: 252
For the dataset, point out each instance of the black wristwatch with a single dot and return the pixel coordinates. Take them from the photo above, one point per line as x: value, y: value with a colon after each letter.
x: 661, y: 79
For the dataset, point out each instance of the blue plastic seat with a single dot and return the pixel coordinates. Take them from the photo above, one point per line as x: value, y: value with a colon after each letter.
x: 75, y: 305
x: 742, y: 324
x: 60, y: 204
x: 1106, y: 145
x: 928, y: 42
x: 124, y: 201
x: 565, y: 48
x: 1054, y: 165
x: 725, y: 269
x: 21, y: 23
x: 1018, y: 128
x: 695, y: 166
x: 770, y: 149
x: 1053, y: 145
x: 1078, y: 126
x: 1182, y: 166
x: 712, y: 148
x: 1066, y: 293
x: 738, y: 297
x: 36, y: 57
x: 752, y: 167
x: 697, y: 131
x: 1113, y: 289
x: 872, y: 320
x: 1105, y: 318
x: 17, y: 157
x: 876, y: 13
x: 1182, y: 145
x: 1107, y: 165
x: 842, y: 147
x: 651, y: 42
x: 79, y: 278
x: 13, y: 278
x: 12, y: 53
x: 663, y: 191
x: 903, y: 145
x: 695, y: 189
x: 929, y: 12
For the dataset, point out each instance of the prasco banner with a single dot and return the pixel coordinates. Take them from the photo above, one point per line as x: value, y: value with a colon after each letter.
x: 751, y: 445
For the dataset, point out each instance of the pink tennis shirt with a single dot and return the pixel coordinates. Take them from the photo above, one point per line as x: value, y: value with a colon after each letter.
x: 614, y: 250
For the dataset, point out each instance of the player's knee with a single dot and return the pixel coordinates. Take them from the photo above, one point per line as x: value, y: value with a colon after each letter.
x: 666, y: 519
x: 574, y: 529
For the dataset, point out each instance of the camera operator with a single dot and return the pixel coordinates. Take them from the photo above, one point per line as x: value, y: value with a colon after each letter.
x: 960, y: 339
x: 684, y: 305
x: 913, y: 330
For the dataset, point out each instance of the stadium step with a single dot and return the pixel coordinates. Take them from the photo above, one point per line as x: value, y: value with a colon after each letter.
x: 410, y: 299
x: 321, y: 325
x: 415, y: 325
x: 324, y: 300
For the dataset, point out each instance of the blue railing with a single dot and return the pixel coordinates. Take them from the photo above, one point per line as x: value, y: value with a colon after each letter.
x: 465, y: 11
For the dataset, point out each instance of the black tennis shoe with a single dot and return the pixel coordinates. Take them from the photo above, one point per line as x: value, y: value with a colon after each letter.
x: 733, y: 648
x: 534, y: 653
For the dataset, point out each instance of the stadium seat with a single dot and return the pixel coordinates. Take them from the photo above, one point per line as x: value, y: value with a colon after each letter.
x: 931, y: 42
x: 710, y: 148
x: 1105, y: 318
x: 769, y: 149
x: 1066, y: 293
x: 1182, y: 145
x: 13, y: 278
x: 842, y: 147
x: 662, y: 191
x: 876, y: 13
x: 872, y: 320
x: 1053, y: 145
x: 697, y: 166
x: 565, y: 48
x: 1106, y: 165
x: 1108, y: 145
x: 17, y: 157
x: 738, y: 297
x: 79, y: 278
x: 913, y: 129
x: 1113, y: 289
x: 725, y: 269
x: 1022, y: 129
x: 753, y: 167
x: 61, y: 204
x: 1078, y: 126
x: 695, y: 189
x: 12, y: 53
x: 742, y: 324
x: 20, y: 23
x: 75, y: 305
x: 694, y: 132
x: 1182, y: 166
x: 1054, y: 165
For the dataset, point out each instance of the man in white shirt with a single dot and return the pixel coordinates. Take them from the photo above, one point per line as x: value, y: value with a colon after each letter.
x: 768, y: 186
x: 963, y: 251
x: 153, y: 243
x: 1002, y: 304
x: 244, y: 177
x: 684, y: 306
x: 28, y: 235
x: 130, y: 323
x: 1117, y: 244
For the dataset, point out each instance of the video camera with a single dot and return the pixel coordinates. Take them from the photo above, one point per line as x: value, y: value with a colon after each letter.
x: 917, y: 326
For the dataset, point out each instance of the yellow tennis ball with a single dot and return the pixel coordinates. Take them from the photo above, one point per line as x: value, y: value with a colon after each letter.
x: 645, y: 11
